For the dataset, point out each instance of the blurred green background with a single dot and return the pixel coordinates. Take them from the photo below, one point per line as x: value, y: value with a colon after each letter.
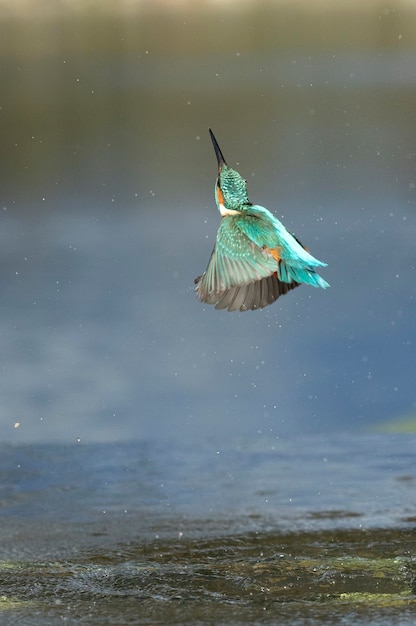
x: 104, y: 98
x: 107, y: 178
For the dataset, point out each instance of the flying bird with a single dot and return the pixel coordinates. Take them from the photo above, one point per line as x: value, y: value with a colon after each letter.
x: 255, y: 258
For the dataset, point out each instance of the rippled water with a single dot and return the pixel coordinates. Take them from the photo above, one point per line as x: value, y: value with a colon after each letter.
x: 291, y: 530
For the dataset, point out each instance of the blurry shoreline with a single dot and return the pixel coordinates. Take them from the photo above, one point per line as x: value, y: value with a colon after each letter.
x: 197, y: 27
x: 22, y: 7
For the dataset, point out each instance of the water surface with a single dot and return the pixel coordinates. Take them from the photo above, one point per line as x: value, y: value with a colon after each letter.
x: 257, y: 531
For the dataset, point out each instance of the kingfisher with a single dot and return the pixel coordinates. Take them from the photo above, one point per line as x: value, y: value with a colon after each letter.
x: 255, y: 258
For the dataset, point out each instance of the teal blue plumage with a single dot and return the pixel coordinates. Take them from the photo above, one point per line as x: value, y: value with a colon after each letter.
x: 255, y: 258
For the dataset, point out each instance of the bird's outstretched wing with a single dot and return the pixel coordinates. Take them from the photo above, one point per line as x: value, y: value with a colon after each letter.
x: 240, y: 275
x: 255, y: 295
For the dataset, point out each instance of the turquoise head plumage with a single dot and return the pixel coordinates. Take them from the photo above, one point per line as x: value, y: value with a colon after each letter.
x: 230, y: 187
x: 255, y: 259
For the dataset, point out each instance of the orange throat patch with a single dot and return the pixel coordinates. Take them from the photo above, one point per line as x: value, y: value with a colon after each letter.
x: 220, y: 196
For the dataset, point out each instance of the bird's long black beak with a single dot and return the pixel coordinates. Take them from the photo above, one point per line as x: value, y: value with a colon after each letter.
x: 220, y: 157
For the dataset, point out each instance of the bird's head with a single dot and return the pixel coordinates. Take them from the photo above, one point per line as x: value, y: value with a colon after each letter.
x: 230, y: 187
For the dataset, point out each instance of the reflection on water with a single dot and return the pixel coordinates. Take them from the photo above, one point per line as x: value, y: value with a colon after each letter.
x: 212, y: 488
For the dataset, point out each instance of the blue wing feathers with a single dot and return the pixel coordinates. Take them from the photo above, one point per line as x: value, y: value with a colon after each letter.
x: 243, y: 274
